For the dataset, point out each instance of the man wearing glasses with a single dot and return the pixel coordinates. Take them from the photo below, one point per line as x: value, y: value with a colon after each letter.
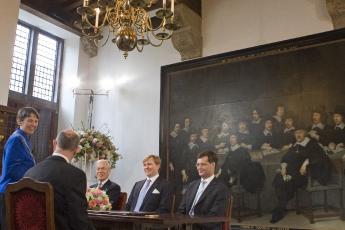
x: 205, y: 196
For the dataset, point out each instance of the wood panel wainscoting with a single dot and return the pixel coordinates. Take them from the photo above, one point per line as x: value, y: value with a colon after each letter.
x: 7, y: 126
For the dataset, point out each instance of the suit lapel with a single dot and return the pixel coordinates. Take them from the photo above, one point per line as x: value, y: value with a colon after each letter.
x: 207, y: 190
x: 192, y: 195
x: 136, y: 193
x: 106, y: 186
x: 149, y: 192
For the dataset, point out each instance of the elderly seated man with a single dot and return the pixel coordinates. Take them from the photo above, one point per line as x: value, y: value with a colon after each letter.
x: 113, y: 190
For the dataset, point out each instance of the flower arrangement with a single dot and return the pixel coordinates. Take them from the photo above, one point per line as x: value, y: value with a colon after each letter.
x: 97, y: 199
x: 96, y: 145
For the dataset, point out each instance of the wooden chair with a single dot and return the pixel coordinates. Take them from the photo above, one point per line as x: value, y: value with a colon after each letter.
x: 29, y: 205
x: 227, y: 224
x: 122, y: 201
x: 336, y: 183
x: 239, y: 195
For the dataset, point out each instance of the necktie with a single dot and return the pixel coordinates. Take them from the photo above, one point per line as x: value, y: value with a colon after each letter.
x: 142, y: 194
x: 100, y: 185
x: 197, y: 196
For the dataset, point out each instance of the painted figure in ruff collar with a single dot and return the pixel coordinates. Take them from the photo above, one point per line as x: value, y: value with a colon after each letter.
x: 288, y: 136
x: 337, y: 134
x: 238, y: 165
x: 221, y: 138
x: 319, y: 130
x: 190, y: 156
x: 305, y: 153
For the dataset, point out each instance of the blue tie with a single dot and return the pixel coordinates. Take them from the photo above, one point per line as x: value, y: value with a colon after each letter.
x: 197, y: 196
x: 142, y: 194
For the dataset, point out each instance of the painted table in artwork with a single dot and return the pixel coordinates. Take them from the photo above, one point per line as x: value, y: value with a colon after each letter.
x: 112, y: 220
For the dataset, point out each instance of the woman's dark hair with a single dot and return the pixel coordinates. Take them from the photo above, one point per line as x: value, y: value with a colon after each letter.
x: 26, y: 112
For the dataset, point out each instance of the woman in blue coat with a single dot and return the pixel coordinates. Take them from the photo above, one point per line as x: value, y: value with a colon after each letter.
x: 17, y: 156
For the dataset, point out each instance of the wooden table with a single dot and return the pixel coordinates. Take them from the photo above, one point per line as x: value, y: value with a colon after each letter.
x: 120, y: 220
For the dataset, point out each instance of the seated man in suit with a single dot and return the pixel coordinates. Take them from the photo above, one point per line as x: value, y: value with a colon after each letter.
x: 154, y: 194
x: 207, y: 196
x: 112, y: 189
x: 69, y: 182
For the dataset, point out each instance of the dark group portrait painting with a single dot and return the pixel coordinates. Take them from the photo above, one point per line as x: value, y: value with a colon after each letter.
x: 273, y: 115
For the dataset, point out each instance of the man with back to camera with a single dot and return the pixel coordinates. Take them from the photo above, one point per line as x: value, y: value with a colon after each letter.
x: 205, y: 196
x: 154, y: 194
x: 113, y: 190
x: 68, y: 181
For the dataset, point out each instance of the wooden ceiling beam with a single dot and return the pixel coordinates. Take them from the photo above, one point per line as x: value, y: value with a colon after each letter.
x: 73, y: 6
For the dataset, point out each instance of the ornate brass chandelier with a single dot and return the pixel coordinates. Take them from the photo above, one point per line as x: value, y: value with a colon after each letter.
x: 128, y: 21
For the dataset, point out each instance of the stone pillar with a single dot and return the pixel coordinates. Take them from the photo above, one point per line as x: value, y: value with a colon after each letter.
x: 8, y: 24
x: 187, y: 40
x: 336, y: 9
x: 89, y: 46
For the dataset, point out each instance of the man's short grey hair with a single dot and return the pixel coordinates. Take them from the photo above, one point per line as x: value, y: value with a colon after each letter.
x: 67, y: 140
x: 107, y: 162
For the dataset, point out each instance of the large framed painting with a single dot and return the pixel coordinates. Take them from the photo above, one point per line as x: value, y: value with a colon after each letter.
x: 254, y: 99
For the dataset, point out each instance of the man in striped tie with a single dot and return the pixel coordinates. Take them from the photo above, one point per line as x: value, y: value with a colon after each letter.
x: 154, y: 194
x: 205, y: 196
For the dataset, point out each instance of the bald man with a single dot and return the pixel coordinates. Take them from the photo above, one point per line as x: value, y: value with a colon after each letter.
x: 69, y: 183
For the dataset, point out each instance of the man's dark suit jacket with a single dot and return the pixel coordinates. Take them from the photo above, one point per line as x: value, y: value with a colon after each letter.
x: 69, y: 185
x: 160, y: 201
x: 212, y: 202
x: 113, y: 190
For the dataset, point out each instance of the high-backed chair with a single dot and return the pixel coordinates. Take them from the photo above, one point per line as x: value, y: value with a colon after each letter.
x: 336, y: 183
x: 29, y: 205
x: 239, y: 193
x: 122, y: 201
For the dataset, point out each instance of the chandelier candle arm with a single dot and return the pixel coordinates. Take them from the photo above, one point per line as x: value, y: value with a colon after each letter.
x: 153, y: 44
x: 96, y: 41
